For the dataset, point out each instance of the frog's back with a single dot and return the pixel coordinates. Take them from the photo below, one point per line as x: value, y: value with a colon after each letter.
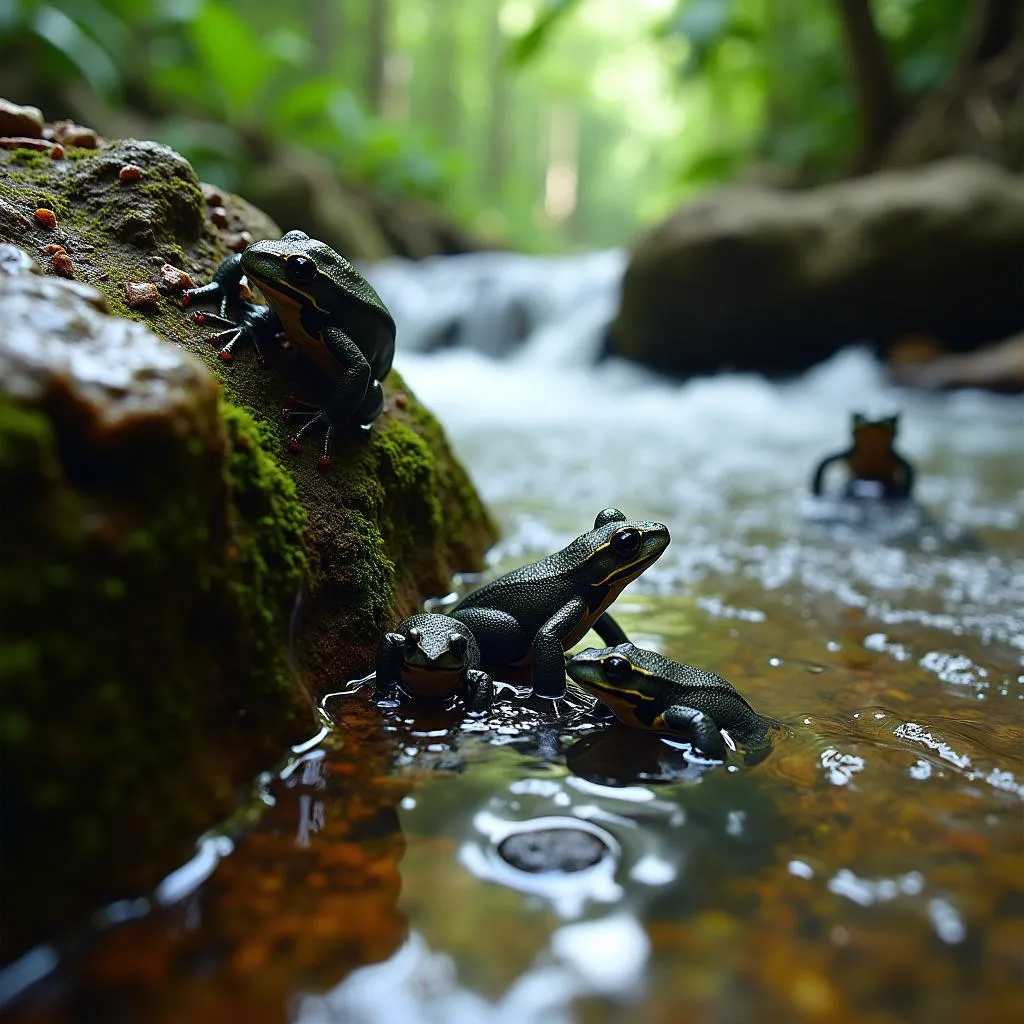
x: 538, y: 588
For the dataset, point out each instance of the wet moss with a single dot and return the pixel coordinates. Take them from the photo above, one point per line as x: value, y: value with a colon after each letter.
x: 268, y: 555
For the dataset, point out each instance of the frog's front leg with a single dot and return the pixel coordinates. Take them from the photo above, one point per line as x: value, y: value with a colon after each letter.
x: 548, y: 674
x: 255, y: 324
x: 906, y: 484
x: 701, y: 729
x: 477, y: 689
x: 353, y: 387
x: 389, y: 665
x: 819, y: 474
x: 223, y: 289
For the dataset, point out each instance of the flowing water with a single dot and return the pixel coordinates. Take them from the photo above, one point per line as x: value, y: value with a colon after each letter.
x: 867, y: 869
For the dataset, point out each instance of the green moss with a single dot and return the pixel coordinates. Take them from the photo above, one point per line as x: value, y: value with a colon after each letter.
x: 268, y: 556
x: 30, y: 158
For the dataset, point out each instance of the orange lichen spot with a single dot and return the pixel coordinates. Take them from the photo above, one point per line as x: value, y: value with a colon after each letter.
x: 139, y: 294
x: 174, y: 279
x: 61, y: 263
x: 129, y: 174
x: 46, y: 217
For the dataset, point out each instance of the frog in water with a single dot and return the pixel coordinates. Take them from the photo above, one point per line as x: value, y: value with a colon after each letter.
x: 328, y: 311
x: 433, y: 656
x: 876, y: 469
x: 529, y: 617
x: 645, y: 690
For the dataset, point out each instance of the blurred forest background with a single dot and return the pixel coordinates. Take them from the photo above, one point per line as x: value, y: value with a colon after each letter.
x: 540, y: 124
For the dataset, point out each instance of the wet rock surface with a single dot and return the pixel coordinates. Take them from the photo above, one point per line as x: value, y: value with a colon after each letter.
x: 178, y: 584
x: 754, y: 279
x: 552, y: 849
x: 138, y: 620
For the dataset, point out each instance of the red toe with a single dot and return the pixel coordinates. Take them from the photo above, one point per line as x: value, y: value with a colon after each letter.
x: 293, y: 444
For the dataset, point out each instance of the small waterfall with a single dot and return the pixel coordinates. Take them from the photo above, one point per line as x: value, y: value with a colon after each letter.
x: 500, y: 303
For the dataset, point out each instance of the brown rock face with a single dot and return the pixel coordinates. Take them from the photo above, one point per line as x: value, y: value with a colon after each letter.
x: 754, y: 279
x: 130, y: 639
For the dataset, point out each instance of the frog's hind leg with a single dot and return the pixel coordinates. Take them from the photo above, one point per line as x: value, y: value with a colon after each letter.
x: 701, y: 728
x: 316, y: 416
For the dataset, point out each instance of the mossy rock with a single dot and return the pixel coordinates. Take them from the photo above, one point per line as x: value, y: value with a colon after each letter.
x: 178, y: 590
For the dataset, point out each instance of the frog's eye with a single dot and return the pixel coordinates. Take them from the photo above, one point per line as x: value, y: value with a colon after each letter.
x: 412, y: 638
x: 616, y: 669
x: 626, y: 542
x: 300, y: 268
x: 457, y: 644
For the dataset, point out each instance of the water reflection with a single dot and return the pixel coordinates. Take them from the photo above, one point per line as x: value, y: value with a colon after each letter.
x: 418, y: 985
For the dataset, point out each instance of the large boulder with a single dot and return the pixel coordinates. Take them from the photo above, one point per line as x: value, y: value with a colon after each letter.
x: 177, y: 589
x: 756, y: 279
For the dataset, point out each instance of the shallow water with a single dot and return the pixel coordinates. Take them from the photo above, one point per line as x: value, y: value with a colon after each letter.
x: 867, y: 869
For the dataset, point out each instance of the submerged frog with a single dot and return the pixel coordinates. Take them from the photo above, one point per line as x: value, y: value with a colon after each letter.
x: 328, y: 311
x: 876, y: 469
x: 647, y: 691
x: 529, y: 617
x: 433, y: 656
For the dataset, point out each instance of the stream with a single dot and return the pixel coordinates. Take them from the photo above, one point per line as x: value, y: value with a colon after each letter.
x: 867, y: 869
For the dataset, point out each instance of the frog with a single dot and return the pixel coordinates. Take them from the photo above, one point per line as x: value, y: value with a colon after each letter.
x: 645, y: 690
x: 876, y: 468
x: 431, y: 655
x: 327, y: 311
x: 526, y: 619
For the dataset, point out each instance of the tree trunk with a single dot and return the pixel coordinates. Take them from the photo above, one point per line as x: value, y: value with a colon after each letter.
x: 992, y: 26
x: 497, y: 125
x: 877, y: 94
x: 376, y: 55
x: 447, y: 106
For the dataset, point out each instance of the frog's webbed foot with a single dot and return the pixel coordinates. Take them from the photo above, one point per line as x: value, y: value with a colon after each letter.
x: 231, y: 336
x: 478, y: 690
x: 313, y: 415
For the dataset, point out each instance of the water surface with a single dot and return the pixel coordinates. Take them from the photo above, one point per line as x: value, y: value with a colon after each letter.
x: 867, y: 869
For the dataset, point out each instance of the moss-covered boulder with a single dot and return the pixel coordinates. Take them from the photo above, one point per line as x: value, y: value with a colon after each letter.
x: 176, y: 586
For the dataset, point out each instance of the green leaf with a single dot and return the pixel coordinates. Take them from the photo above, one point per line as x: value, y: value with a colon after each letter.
x: 234, y: 62
x: 91, y: 60
x: 526, y: 46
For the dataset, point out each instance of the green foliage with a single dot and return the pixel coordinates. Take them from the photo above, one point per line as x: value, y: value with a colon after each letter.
x: 469, y: 104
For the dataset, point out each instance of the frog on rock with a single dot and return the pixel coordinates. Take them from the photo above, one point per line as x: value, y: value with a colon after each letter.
x: 645, y: 690
x: 876, y: 468
x: 329, y: 313
x: 530, y: 616
x: 433, y: 656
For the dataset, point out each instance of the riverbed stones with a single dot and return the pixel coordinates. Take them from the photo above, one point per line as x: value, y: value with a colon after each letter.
x: 552, y: 850
x: 751, y: 278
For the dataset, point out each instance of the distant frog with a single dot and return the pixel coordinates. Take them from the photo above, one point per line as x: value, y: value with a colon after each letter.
x: 647, y: 691
x: 433, y: 656
x: 876, y: 469
x: 530, y: 616
x: 328, y: 311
